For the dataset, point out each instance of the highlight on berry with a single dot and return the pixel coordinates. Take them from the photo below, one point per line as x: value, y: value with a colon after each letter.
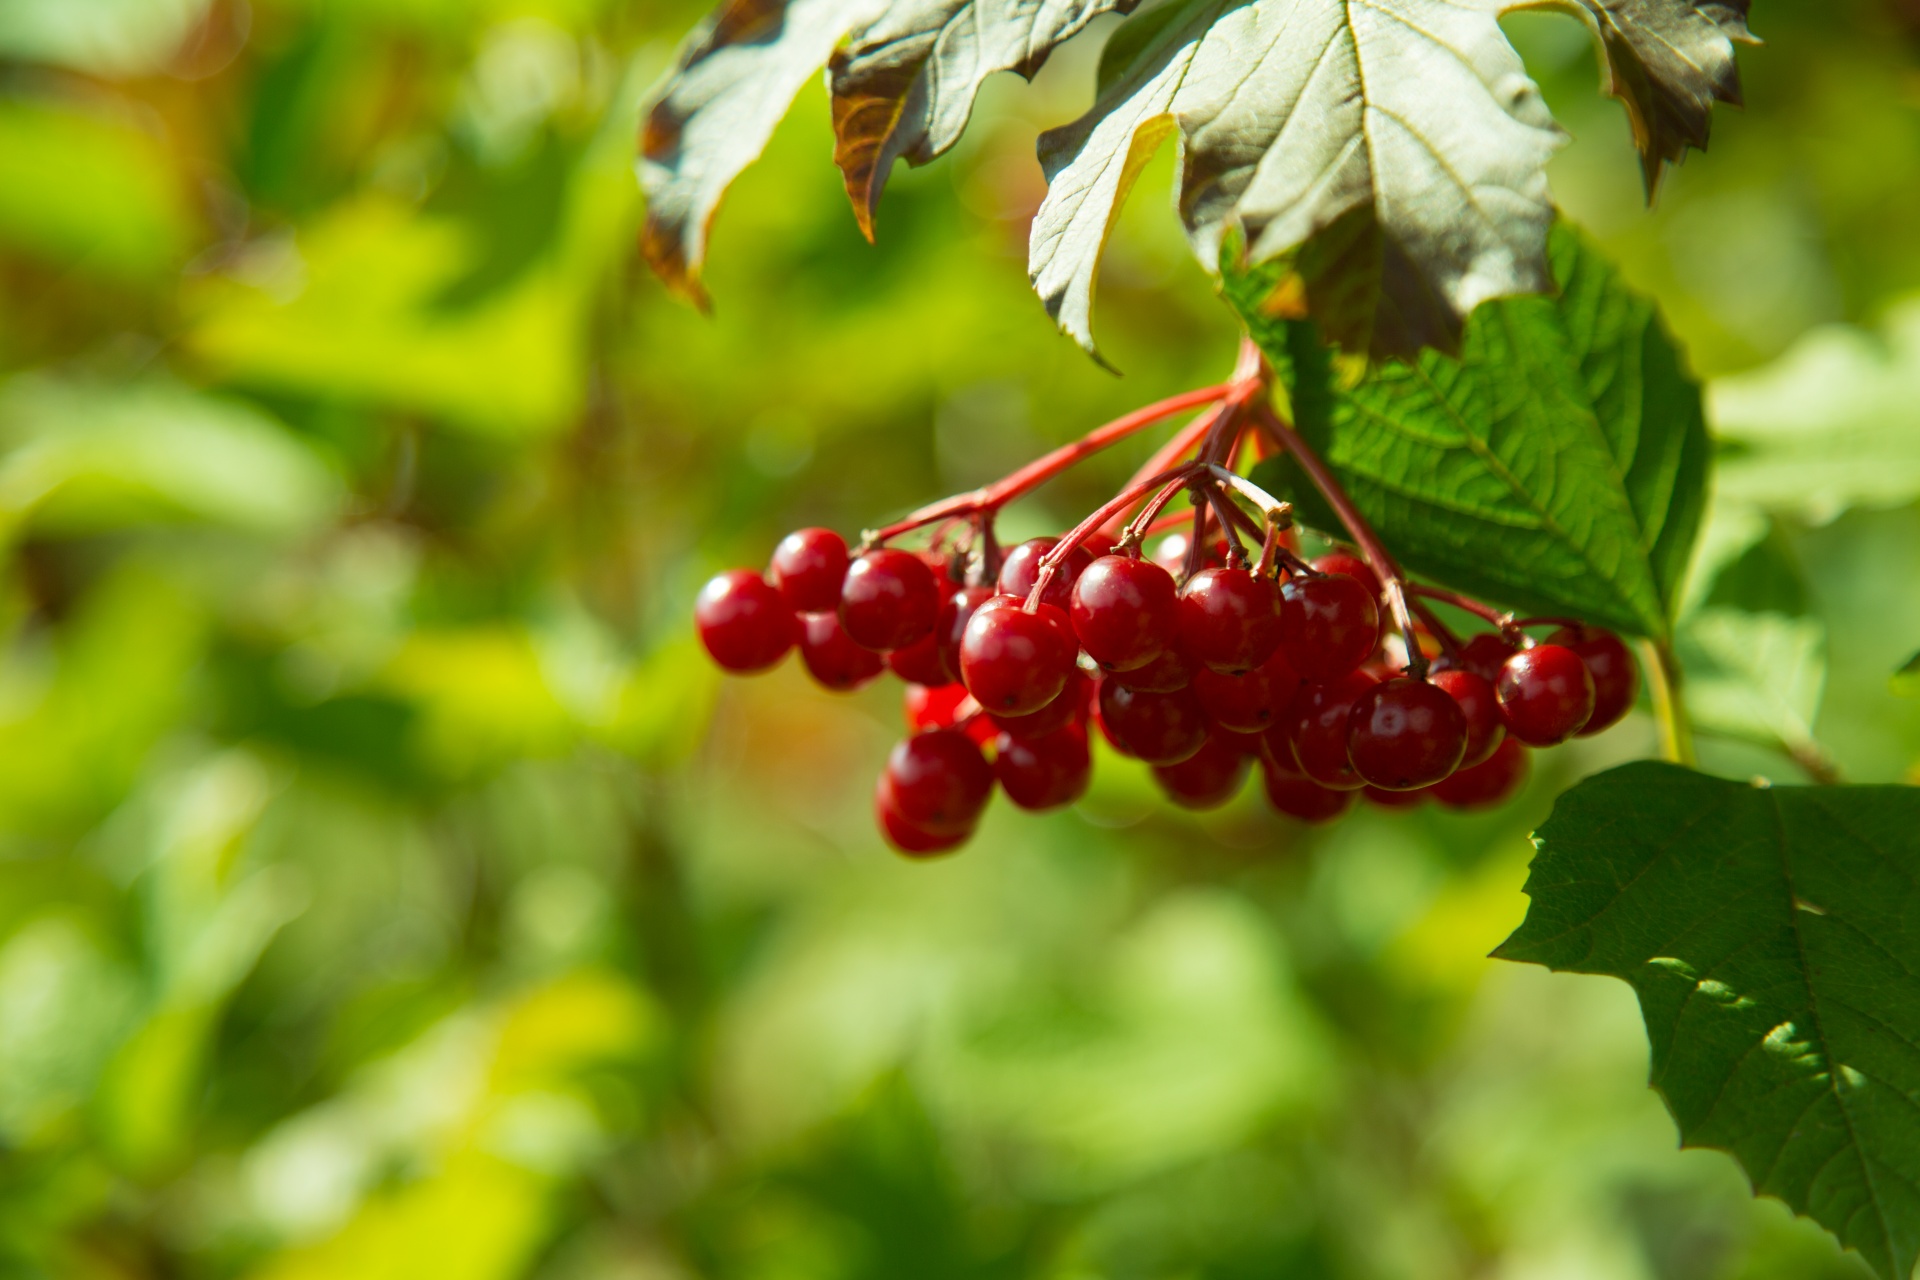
x: 1200, y: 642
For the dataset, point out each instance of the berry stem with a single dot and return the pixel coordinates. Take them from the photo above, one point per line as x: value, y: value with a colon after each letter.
x: 1374, y: 551
x: 1485, y: 612
x: 1663, y: 682
x: 1091, y: 525
x: 1042, y: 469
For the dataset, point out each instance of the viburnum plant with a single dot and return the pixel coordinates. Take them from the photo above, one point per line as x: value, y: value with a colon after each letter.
x: 1456, y: 394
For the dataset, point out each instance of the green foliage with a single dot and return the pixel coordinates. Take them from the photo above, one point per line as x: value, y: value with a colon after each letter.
x: 1558, y: 466
x: 1768, y: 932
x: 388, y: 887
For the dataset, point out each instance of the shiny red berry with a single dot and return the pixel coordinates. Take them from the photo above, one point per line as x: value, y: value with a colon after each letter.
x: 1480, y: 704
x: 1021, y: 569
x: 1160, y: 728
x: 1493, y: 781
x: 1330, y: 625
x: 1015, y: 662
x: 919, y: 662
x: 1171, y: 672
x: 1069, y: 706
x: 1229, y: 619
x: 1313, y: 731
x: 914, y: 841
x: 809, y: 567
x: 1385, y: 799
x: 1301, y: 798
x: 1546, y: 695
x: 1345, y: 562
x: 1616, y: 680
x: 1125, y: 612
x: 1251, y: 702
x: 933, y: 706
x: 950, y: 624
x: 1206, y: 779
x: 1045, y: 772
x: 888, y: 600
x: 1486, y: 653
x: 1405, y: 734
x: 833, y: 659
x: 744, y: 623
x: 938, y: 781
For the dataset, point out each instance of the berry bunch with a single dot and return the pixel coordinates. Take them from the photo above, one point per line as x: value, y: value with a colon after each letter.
x: 1199, y: 660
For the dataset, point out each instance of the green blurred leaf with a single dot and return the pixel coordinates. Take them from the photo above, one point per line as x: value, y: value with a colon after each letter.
x: 1907, y: 678
x: 1768, y: 932
x: 355, y: 313
x: 106, y: 37
x: 87, y: 457
x: 1832, y: 424
x: 1559, y: 465
x: 89, y: 191
x: 1757, y: 676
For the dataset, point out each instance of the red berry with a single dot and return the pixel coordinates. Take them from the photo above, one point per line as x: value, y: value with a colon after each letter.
x: 1345, y: 562
x: 832, y: 658
x: 1405, y: 734
x: 1170, y: 553
x: 937, y: 706
x: 1160, y: 728
x: 1206, y: 779
x: 1493, y: 781
x: 1300, y: 797
x: 1330, y: 625
x: 744, y: 623
x: 951, y: 624
x: 915, y: 842
x: 1546, y: 695
x: 1171, y: 672
x: 1229, y: 619
x: 919, y: 662
x: 1125, y: 612
x: 1386, y: 799
x: 808, y: 567
x: 1015, y: 662
x: 1485, y: 654
x: 938, y: 781
x: 1067, y: 707
x: 888, y: 600
x: 1251, y: 745
x: 1313, y: 731
x: 1044, y: 772
x: 1021, y: 569
x: 1616, y: 680
x: 1247, y: 703
x: 1480, y: 704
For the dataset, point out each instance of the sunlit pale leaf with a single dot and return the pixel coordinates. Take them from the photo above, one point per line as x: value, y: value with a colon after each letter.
x: 1398, y: 145
x: 903, y: 86
x: 1773, y: 937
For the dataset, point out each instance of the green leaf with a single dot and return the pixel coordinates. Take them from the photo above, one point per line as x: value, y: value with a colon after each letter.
x: 1834, y: 423
x: 1757, y: 676
x: 903, y: 86
x: 1773, y: 937
x: 1907, y: 679
x: 1558, y: 465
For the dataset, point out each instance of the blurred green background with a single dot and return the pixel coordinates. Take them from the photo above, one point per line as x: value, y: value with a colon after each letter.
x: 388, y: 888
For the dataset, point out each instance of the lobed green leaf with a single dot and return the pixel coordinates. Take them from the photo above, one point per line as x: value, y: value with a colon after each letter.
x: 1558, y: 465
x: 1772, y: 935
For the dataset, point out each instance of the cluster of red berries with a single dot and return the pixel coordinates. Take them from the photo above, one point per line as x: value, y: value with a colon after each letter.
x: 1288, y: 670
